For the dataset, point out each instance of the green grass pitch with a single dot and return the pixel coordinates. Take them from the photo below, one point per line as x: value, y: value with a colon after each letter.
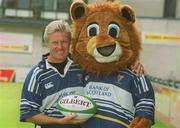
x: 9, y: 107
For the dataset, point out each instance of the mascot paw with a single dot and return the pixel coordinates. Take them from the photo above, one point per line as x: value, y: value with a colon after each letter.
x: 140, y: 122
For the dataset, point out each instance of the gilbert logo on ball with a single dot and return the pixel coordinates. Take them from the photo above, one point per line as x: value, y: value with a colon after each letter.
x: 83, y: 106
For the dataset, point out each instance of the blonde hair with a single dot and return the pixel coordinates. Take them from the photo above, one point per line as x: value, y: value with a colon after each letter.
x: 57, y: 26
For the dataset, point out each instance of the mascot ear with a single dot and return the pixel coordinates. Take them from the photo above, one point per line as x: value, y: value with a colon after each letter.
x: 78, y: 10
x: 128, y: 13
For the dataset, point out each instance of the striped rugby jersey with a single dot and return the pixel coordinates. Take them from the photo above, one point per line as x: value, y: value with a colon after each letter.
x: 119, y: 98
x: 44, y: 85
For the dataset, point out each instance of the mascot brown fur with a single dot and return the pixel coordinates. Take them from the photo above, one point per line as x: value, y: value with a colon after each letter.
x: 109, y: 17
x: 104, y: 40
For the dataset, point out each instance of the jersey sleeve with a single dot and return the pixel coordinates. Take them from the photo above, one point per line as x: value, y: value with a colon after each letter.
x: 144, y: 100
x: 30, y: 101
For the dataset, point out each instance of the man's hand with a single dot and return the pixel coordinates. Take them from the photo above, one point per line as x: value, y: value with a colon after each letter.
x: 138, y: 68
x: 70, y: 119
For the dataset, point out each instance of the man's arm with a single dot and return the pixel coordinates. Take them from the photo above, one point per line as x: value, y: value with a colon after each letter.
x: 42, y: 119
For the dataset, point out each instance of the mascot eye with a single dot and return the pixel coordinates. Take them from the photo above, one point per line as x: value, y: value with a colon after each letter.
x: 113, y: 30
x: 93, y: 30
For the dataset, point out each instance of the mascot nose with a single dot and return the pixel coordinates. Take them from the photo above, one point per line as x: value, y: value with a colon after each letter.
x: 107, y: 50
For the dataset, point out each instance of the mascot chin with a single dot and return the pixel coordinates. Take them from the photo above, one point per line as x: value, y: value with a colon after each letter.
x: 105, y: 43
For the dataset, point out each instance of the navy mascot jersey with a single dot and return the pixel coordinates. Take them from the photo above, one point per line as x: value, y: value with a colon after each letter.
x: 119, y: 97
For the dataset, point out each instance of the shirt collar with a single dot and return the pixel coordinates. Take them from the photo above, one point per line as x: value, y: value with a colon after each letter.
x: 69, y: 62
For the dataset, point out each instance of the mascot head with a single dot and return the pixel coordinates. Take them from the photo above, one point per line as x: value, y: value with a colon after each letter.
x: 104, y: 36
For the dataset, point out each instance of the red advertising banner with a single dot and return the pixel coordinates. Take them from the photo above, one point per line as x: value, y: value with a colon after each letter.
x: 7, y: 75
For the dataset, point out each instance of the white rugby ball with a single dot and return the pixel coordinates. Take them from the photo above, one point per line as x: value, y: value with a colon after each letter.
x: 83, y: 106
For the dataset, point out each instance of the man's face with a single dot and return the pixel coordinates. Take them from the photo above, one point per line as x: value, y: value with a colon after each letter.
x: 58, y: 44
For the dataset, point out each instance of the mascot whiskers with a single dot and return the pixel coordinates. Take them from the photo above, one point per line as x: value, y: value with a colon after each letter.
x: 105, y: 43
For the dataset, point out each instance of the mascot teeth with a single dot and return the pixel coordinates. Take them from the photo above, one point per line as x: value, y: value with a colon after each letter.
x: 107, y: 54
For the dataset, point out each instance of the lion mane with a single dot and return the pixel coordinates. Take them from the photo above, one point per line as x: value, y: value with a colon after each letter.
x: 105, y: 38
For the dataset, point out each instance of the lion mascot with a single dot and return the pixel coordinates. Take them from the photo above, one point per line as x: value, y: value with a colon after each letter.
x: 105, y: 43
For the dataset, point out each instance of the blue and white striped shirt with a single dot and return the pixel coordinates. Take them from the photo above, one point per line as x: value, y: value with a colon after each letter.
x: 44, y: 85
x: 120, y: 97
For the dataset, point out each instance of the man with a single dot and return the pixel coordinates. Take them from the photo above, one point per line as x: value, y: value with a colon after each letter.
x: 53, y: 77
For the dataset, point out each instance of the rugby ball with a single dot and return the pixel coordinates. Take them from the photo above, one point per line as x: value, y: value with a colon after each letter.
x: 83, y: 106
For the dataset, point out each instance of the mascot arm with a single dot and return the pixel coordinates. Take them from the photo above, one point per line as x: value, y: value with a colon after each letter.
x: 140, y: 122
x: 144, y: 103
